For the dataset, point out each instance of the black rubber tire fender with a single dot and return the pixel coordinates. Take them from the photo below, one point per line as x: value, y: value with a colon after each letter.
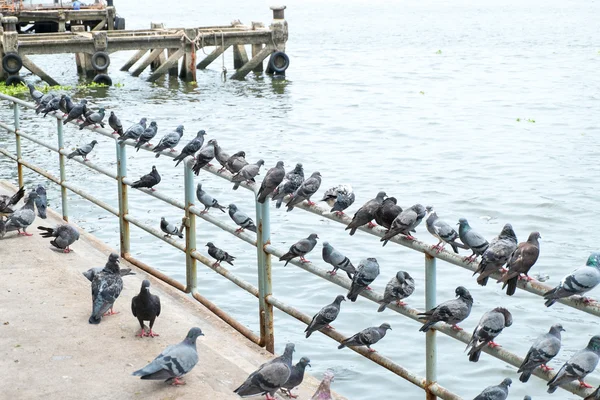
x: 103, y: 79
x: 12, y: 63
x: 100, y: 60
x: 279, y: 62
x: 14, y: 80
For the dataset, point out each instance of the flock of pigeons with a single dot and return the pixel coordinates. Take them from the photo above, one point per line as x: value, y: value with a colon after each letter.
x: 279, y: 373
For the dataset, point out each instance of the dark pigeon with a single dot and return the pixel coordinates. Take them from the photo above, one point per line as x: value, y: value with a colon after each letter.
x: 247, y: 173
x: 405, y: 223
x: 115, y: 123
x: 92, y: 272
x: 65, y: 235
x: 192, y: 147
x: 337, y: 260
x: 207, y: 200
x: 76, y: 112
x: 451, y: 312
x: 366, y: 213
x: 94, y: 118
x: 53, y: 105
x: 83, y: 151
x: 296, y: 377
x: 106, y: 288
x: 222, y: 158
x: 578, y: 367
x: 219, y: 255
x: 41, y: 201
x: 169, y: 229
x: 305, y: 191
x: 366, y: 272
x: 291, y: 182
x: 497, y: 254
x: 65, y: 104
x: 169, y: 141
x: 442, y: 231
x: 236, y: 162
x: 578, y: 282
x: 473, y: 240
x: 204, y: 156
x: 367, y: 337
x: 325, y: 316
x: 36, y: 95
x: 241, y: 219
x: 499, y: 392
x: 387, y: 213
x: 147, y: 136
x: 145, y: 306
x: 272, y: 179
x: 490, y: 326
x: 520, y: 262
x: 22, y: 218
x: 44, y: 101
x: 399, y: 287
x: 339, y: 198
x: 543, y: 350
x: 7, y: 201
x: 148, y: 181
x: 134, y: 131
x: 300, y: 249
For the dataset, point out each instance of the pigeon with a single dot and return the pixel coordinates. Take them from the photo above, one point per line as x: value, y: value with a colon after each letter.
x: 473, y: 240
x: 204, y: 156
x: 134, y: 131
x: 543, y: 350
x: 219, y: 255
x: 94, y: 118
x: 36, y: 95
x: 442, y: 231
x: 578, y: 367
x: 499, y: 392
x: 169, y: 229
x: 405, y: 222
x: 337, y: 260
x: 366, y: 337
x: 273, y: 178
x: 65, y: 236
x: 192, y: 147
x: 247, y: 173
x: 241, y: 219
x: 529, y: 398
x: 387, y: 213
x: 115, y: 123
x: 300, y: 249
x: 520, y: 262
x: 451, y: 312
x: 174, y: 362
x: 269, y: 377
x: 7, y: 201
x: 366, y: 213
x: 366, y: 272
x: 76, y: 112
x: 490, y: 326
x: 291, y: 182
x: 92, y: 272
x: 236, y: 162
x: 222, y: 157
x: 145, y: 306
x: 106, y: 288
x: 147, y: 136
x: 207, y: 200
x: 169, y: 141
x: 339, y: 198
x: 578, y: 282
x: 83, y: 151
x: 296, y: 377
x: 324, y: 390
x: 65, y: 104
x: 399, y: 287
x: 53, y: 105
x: 41, y: 201
x: 496, y: 254
x: 148, y: 181
x: 44, y: 101
x: 325, y: 316
x: 305, y: 191
x: 21, y: 218
x: 594, y: 396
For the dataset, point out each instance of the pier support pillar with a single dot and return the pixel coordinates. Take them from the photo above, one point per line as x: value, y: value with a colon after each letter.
x: 173, y: 67
x: 111, y: 13
x: 80, y: 59
x: 188, y: 67
x: 211, y: 57
x: 250, y: 65
x: 161, y: 58
x: 62, y: 22
x: 256, y: 48
x: 240, y: 57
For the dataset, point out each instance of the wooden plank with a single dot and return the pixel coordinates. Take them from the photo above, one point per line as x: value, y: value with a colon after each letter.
x: 250, y: 65
x: 211, y: 57
x: 167, y: 65
x: 30, y: 65
x: 173, y: 69
x: 154, y: 54
x: 100, y: 25
x: 136, y: 57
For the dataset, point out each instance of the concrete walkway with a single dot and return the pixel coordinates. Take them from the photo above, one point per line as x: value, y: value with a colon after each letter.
x: 49, y: 350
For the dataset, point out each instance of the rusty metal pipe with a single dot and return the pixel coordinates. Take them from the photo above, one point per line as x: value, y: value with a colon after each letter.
x: 157, y: 274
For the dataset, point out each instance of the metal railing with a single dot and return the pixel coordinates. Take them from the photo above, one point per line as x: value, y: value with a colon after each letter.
x: 264, y: 248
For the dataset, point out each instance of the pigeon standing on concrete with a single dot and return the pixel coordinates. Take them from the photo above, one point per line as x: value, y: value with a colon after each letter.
x: 147, y: 136
x: 305, y: 191
x: 174, y: 362
x: 247, y: 173
x: 204, y: 156
x: 578, y: 282
x: 65, y: 235
x: 498, y: 392
x: 296, y: 377
x: 192, y: 147
x: 41, y: 201
x: 366, y: 213
x: 442, y: 231
x: 91, y: 273
x: 451, y: 312
x: 337, y: 260
x: 94, y: 118
x: 300, y: 249
x: 387, y: 213
x: 21, y: 218
x: 106, y: 288
x: 339, y: 198
x: 366, y: 272
x: 473, y: 240
x: 399, y: 287
x: 578, y: 367
x: 497, y: 254
x: 325, y: 316
x: 324, y: 390
x: 83, y: 151
x: 291, y: 182
x: 134, y: 131
x: 169, y: 141
x: 273, y: 178
x: 148, y: 181
x: 115, y: 123
x: 367, y: 337
x: 207, y: 200
x: 520, y: 262
x: 543, y: 350
x: 490, y: 326
x: 145, y: 306
x: 219, y: 255
x: 6, y: 202
x: 76, y: 112
x: 241, y: 219
x: 236, y: 162
x: 405, y: 223
x: 169, y: 229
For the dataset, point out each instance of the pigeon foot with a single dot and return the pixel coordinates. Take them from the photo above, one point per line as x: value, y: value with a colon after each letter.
x: 371, y: 225
x: 25, y: 234
x: 67, y: 250
x: 311, y: 203
x: 203, y: 211
x: 304, y: 260
x: 152, y: 334
x: 584, y: 385
x: 111, y: 312
x: 330, y: 327
x: 493, y: 345
x: 400, y: 303
x: 141, y: 334
x: 209, y: 165
x: 369, y: 288
x: 409, y: 237
x: 332, y: 272
x: 172, y: 151
x: 177, y: 382
x: 586, y: 300
x: 372, y: 350
x: 216, y: 264
x: 339, y: 213
x: 457, y: 328
x: 269, y: 397
x: 544, y: 367
x: 239, y: 230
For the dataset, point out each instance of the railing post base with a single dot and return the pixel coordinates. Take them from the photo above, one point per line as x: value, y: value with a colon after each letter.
x: 430, y: 339
x: 263, y: 237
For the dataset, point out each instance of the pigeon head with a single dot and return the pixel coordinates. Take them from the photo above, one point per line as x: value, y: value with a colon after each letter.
x: 313, y: 236
x: 93, y: 143
x: 593, y: 260
x: 32, y: 196
x: 506, y: 382
x: 315, y: 174
x: 240, y: 154
x: 385, y: 326
x: 463, y: 222
x: 143, y: 121
x: 461, y: 291
x: 289, y: 350
x: 326, y: 244
x: 527, y: 398
x: 304, y: 361
x: 594, y: 344
x: 339, y: 299
x: 31, y: 87
x: 84, y: 101
x: 232, y: 207
x: 298, y: 168
x: 280, y: 164
x: 402, y: 276
x: 153, y: 168
x: 199, y: 186
x: 193, y: 335
x: 556, y: 329
x: 534, y: 236
x: 508, y: 320
x: 508, y: 233
x: 381, y: 196
x: 113, y: 257
x: 212, y: 142
x: 101, y: 110
x: 112, y: 113
x: 390, y: 200
x: 179, y: 129
x: 429, y: 209
x: 201, y: 132
x: 145, y: 285
x: 210, y: 244
x: 372, y: 259
x: 420, y: 210
x: 260, y: 163
x: 162, y: 218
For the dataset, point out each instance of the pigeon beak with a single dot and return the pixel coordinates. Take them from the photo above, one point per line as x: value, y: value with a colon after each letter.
x: 309, y: 365
x: 344, y: 299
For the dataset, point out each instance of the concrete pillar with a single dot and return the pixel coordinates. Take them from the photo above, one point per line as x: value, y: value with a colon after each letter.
x: 79, y: 57
x: 173, y: 68
x: 161, y: 58
x: 279, y: 27
x: 188, y: 68
x: 256, y: 48
x: 111, y: 13
x: 240, y: 57
x: 62, y: 22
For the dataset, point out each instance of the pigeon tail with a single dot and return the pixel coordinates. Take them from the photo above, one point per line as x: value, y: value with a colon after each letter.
x: 512, y: 286
x: 525, y: 376
x: 474, y: 354
x: 426, y: 326
x: 94, y: 320
x: 549, y: 296
x: 382, y: 306
x: 48, y: 232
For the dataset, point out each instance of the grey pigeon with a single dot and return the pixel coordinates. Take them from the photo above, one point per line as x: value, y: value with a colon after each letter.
x: 366, y: 213
x: 241, y: 219
x: 41, y: 201
x: 207, y: 200
x: 325, y: 316
x: 92, y: 272
x: 64, y: 234
x: 291, y: 182
x: 578, y: 282
x: 399, y: 287
x: 490, y: 326
x: 405, y: 223
x: 106, y: 288
x: 65, y: 104
x: 21, y: 218
x: 324, y: 390
x: 83, y: 151
x: 300, y: 249
x: 148, y: 181
x: 472, y: 239
x: 174, y: 362
x: 578, y: 367
x: 498, y: 392
x: 145, y: 306
x: 339, y: 198
x: 134, y: 131
x: 305, y: 191
x: 76, y: 112
x: 53, y: 105
x: 366, y: 272
x: 115, y: 123
x: 36, y: 95
x: 169, y: 141
x: 236, y: 162
x: 192, y: 147
x: 219, y: 255
x: 543, y: 350
x: 147, y: 136
x: 272, y: 179
x: 7, y: 201
x: 442, y: 231
x: 367, y: 337
x: 247, y: 173
x: 296, y: 376
x: 169, y: 229
x: 269, y: 377
x: 387, y: 213
x: 337, y: 260
x: 520, y: 262
x: 222, y: 158
x: 451, y: 312
x: 204, y: 156
x: 44, y: 101
x: 497, y: 254
x: 94, y: 118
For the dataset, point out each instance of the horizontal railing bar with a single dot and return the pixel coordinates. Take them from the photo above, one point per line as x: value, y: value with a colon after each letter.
x: 154, y: 272
x: 226, y: 273
x: 246, y: 237
x: 155, y: 232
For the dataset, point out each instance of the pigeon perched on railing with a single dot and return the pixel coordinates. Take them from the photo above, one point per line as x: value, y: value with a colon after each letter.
x: 451, y: 312
x: 387, y: 213
x: 146, y: 136
x: 399, y: 287
x: 405, y: 223
x: 20, y: 219
x: 296, y: 377
x: 169, y: 229
x: 169, y: 141
x: 498, y: 392
x: 134, y: 131
x: 366, y: 213
x: 65, y: 236
x: 7, y: 201
x: 207, y: 200
x: 65, y: 105
x: 76, y: 112
x: 442, y: 231
x: 473, y: 240
x: 578, y: 282
x: 115, y: 123
x: 236, y: 162
x: 192, y: 147
x: 497, y: 254
x: 44, y: 101
x: 222, y: 157
x: 325, y: 316
x: 219, y: 255
x: 145, y: 306
x: 106, y: 288
x: 339, y: 198
x: 299, y: 249
x: 94, y: 118
x: 291, y: 182
x: 367, y: 337
x: 241, y: 219
x: 543, y: 350
x: 247, y: 173
x: 36, y: 95
x: 41, y: 201
x: 204, y: 156
x: 337, y: 260
x: 520, y: 262
x: 83, y: 151
x: 52, y: 106
x: 489, y: 327
x: 148, y: 181
x: 272, y: 179
x: 308, y: 188
x: 366, y: 272
x: 578, y: 367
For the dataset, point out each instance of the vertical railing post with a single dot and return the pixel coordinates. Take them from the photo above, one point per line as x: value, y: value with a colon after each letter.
x: 430, y: 339
x: 63, y: 177
x: 263, y: 237
x: 190, y: 228
x: 18, y: 141
x: 123, y: 201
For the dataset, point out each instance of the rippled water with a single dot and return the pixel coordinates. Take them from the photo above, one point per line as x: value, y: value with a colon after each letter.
x: 433, y: 102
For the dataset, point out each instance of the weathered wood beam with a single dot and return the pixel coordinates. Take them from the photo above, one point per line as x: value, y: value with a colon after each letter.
x: 151, y: 57
x: 100, y: 25
x: 240, y: 57
x: 250, y: 65
x: 211, y: 57
x: 173, y: 68
x: 167, y: 65
x: 188, y: 68
x: 30, y: 65
x: 136, y: 57
x: 256, y: 48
